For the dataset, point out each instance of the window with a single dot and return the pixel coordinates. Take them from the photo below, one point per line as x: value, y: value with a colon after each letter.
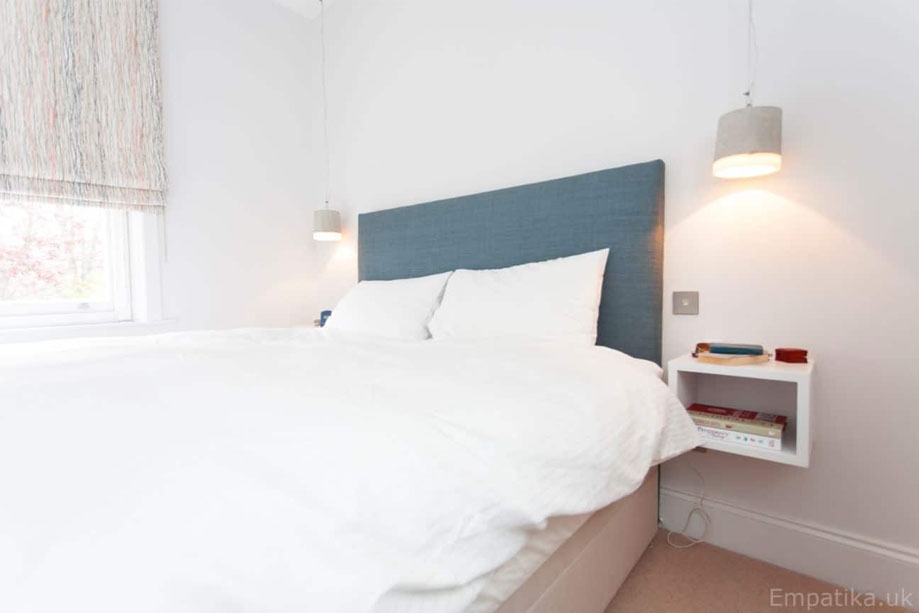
x: 63, y: 265
x: 81, y: 155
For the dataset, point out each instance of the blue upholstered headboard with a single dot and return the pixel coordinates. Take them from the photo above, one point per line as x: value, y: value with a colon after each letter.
x: 620, y: 208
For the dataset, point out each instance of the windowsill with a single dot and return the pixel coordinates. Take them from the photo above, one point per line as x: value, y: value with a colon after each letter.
x: 119, y: 328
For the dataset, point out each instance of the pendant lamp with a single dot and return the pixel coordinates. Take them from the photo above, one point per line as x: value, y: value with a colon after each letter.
x: 749, y: 141
x: 326, y: 221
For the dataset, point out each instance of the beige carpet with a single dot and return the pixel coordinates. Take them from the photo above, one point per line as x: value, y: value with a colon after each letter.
x: 707, y: 579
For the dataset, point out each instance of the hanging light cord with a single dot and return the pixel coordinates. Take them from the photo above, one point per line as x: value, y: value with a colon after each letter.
x: 752, y: 53
x: 325, y: 105
x: 697, y: 509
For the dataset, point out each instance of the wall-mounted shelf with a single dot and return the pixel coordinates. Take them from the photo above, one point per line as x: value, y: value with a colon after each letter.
x: 771, y: 387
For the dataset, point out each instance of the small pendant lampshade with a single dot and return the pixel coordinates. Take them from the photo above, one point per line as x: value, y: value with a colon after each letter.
x: 749, y: 143
x: 326, y: 225
x: 326, y: 221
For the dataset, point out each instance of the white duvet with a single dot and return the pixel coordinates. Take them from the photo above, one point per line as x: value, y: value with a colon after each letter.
x: 287, y: 470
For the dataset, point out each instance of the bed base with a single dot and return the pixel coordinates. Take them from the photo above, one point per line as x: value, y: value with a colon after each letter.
x: 584, y: 574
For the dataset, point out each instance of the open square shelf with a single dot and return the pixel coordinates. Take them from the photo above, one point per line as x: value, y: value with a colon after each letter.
x: 771, y: 387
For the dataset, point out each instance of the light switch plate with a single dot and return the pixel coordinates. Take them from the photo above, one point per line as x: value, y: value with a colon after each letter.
x: 685, y: 303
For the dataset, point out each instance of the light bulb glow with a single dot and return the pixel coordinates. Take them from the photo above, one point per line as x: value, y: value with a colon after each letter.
x: 327, y: 236
x: 747, y: 165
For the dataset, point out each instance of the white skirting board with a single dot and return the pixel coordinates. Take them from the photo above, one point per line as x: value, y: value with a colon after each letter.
x: 847, y: 560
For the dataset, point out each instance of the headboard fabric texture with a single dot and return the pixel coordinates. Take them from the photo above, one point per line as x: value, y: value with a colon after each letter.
x: 620, y: 208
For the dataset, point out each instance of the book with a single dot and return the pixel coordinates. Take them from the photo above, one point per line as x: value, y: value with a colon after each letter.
x: 733, y: 349
x: 750, y: 422
x: 740, y: 438
x: 726, y: 359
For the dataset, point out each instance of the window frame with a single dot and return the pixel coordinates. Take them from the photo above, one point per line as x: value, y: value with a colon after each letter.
x: 134, y: 276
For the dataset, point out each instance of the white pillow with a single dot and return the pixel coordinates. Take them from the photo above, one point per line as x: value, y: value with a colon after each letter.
x: 557, y: 300
x: 391, y: 309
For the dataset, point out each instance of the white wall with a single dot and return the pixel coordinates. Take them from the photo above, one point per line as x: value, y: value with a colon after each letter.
x: 236, y: 86
x: 435, y: 99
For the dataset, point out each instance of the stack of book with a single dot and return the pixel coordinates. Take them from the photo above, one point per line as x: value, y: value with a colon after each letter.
x: 747, y: 428
x: 730, y: 354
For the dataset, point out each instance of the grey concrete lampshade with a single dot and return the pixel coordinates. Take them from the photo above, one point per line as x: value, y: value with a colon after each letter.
x: 326, y: 225
x: 749, y: 143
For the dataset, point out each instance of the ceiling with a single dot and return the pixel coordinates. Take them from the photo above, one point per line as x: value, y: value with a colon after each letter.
x: 307, y: 8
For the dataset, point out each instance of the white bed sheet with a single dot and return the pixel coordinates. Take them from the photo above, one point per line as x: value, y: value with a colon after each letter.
x: 514, y: 573
x: 486, y: 593
x: 497, y: 586
x: 282, y: 470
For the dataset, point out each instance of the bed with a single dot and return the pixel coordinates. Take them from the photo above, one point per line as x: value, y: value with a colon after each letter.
x: 300, y: 470
x: 620, y: 208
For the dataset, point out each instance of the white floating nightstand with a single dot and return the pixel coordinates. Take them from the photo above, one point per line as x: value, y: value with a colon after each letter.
x: 771, y: 387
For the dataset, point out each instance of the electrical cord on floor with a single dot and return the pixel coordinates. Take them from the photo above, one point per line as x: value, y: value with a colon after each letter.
x: 697, y: 509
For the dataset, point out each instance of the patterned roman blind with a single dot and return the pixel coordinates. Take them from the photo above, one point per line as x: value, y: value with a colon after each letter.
x: 81, y: 118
